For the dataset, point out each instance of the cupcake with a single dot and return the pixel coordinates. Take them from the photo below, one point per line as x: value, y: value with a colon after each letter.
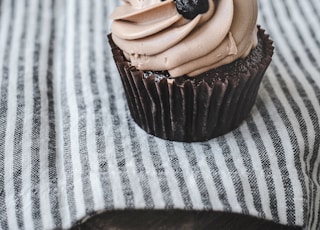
x: 191, y: 69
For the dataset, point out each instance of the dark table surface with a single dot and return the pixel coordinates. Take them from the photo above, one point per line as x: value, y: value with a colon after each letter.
x: 177, y: 219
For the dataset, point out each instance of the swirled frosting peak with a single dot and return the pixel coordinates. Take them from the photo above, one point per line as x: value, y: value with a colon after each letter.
x: 154, y: 36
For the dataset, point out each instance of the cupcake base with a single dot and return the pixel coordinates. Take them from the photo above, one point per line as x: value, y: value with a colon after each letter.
x: 196, y: 108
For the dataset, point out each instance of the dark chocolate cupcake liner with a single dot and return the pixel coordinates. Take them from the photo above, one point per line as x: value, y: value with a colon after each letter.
x: 193, y: 110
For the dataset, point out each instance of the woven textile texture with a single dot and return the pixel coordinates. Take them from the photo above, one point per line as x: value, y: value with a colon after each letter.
x: 69, y: 148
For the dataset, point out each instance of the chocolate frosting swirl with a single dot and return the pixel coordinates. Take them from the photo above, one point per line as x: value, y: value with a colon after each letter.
x: 154, y: 36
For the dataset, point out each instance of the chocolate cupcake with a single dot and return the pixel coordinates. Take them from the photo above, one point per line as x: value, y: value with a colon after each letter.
x: 189, y: 74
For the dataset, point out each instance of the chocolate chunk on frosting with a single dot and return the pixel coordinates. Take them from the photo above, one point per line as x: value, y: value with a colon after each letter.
x: 189, y: 9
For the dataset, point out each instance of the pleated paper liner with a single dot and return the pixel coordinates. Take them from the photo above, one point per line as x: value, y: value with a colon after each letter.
x: 198, y: 108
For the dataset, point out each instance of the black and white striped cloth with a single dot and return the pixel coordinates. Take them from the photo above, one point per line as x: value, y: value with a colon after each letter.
x: 69, y: 149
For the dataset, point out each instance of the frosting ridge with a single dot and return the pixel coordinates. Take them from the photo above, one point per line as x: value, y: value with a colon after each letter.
x: 154, y: 36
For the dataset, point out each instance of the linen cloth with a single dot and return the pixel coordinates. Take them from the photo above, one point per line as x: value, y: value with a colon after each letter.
x: 69, y: 148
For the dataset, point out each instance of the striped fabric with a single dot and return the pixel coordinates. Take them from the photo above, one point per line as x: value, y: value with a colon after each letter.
x: 69, y: 148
